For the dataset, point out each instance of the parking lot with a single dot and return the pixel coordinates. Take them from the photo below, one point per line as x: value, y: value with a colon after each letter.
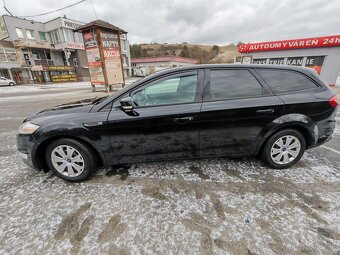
x: 212, y: 206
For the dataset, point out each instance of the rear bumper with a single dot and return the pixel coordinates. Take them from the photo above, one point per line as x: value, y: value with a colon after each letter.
x: 26, y: 148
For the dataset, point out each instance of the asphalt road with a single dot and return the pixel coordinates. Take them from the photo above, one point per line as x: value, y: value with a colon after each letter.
x: 216, y: 206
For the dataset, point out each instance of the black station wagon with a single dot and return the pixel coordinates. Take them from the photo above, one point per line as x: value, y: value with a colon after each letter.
x: 275, y: 112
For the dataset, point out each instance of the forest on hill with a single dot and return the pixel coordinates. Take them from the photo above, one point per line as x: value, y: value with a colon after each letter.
x: 203, y: 53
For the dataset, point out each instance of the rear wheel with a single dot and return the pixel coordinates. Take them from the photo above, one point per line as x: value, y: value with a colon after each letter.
x: 70, y: 159
x: 11, y: 84
x: 283, y: 149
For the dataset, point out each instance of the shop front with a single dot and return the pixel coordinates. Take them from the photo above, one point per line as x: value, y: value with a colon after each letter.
x: 47, y: 74
x: 319, y: 53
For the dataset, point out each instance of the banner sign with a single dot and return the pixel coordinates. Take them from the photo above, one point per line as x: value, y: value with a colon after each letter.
x: 314, y: 62
x: 294, y: 61
x: 93, y: 58
x: 111, y: 54
x: 316, y: 42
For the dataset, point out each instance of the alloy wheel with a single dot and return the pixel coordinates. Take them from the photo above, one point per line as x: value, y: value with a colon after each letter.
x: 67, y: 160
x: 285, y: 149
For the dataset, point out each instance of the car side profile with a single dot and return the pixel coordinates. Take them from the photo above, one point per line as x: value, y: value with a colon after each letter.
x: 6, y: 82
x: 201, y: 111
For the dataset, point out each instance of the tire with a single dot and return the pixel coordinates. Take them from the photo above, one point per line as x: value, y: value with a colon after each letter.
x: 11, y: 84
x: 290, y: 155
x: 77, y: 167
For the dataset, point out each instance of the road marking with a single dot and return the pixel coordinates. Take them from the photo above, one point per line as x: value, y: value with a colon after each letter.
x: 331, y: 149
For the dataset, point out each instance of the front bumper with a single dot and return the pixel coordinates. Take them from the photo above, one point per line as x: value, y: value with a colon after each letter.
x: 26, y: 146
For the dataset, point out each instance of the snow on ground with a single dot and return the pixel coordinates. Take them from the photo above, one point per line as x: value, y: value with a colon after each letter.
x: 211, y: 206
x: 216, y: 206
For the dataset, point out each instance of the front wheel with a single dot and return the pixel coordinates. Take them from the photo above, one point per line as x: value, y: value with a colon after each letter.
x: 283, y: 149
x: 11, y: 84
x: 70, y: 159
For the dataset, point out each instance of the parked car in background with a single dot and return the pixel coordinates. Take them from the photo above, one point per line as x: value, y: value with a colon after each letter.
x: 4, y: 81
x: 201, y: 111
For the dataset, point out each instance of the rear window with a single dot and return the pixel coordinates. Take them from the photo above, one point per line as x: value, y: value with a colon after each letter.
x: 286, y: 81
x: 229, y: 84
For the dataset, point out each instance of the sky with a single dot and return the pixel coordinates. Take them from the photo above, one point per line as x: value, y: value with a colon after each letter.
x: 198, y: 21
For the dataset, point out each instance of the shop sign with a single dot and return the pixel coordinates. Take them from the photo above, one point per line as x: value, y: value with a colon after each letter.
x: 112, y: 59
x: 315, y: 63
x: 262, y: 61
x: 276, y: 61
x: 69, y: 45
x: 59, y: 68
x: 294, y: 61
x: 37, y: 68
x: 71, y: 25
x: 64, y: 77
x: 316, y: 42
x: 32, y: 44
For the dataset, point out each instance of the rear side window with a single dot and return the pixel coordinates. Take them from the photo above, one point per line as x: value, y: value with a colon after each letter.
x: 229, y: 84
x: 286, y: 81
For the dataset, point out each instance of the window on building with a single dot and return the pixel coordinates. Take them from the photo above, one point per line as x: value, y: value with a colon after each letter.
x: 78, y: 37
x: 54, y: 36
x: 286, y: 81
x: 69, y: 37
x: 75, y: 62
x: 30, y: 34
x: 42, y: 36
x: 123, y: 45
x: 35, y: 55
x: 230, y: 84
x: 20, y: 34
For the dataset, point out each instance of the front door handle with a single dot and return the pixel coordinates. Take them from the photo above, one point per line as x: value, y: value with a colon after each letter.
x: 265, y: 111
x: 183, y: 120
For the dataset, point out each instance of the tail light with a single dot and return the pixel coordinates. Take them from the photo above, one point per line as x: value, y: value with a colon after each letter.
x: 334, y: 101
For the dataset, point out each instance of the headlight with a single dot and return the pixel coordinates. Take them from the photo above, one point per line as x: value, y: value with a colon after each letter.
x: 28, y: 128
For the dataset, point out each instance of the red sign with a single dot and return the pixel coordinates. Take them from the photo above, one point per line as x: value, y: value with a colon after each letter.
x: 316, y: 42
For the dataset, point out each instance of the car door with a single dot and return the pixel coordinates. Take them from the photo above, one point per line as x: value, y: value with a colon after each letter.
x: 3, y: 81
x: 237, y: 110
x: 164, y: 120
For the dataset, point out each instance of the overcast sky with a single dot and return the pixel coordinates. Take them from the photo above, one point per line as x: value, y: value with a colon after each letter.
x: 199, y: 21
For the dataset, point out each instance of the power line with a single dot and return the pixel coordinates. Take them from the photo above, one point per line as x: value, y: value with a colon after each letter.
x: 42, y: 14
x: 94, y: 9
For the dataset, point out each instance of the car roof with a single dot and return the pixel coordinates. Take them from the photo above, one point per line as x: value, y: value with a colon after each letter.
x: 241, y: 66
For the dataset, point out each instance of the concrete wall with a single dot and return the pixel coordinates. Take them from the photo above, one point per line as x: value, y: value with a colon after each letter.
x: 331, y: 65
x: 12, y: 23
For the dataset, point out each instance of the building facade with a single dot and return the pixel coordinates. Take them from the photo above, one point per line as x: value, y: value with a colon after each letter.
x: 50, y: 51
x: 319, y: 53
x: 148, y: 65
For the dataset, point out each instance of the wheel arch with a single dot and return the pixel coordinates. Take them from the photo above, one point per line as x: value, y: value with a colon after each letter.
x: 303, y: 129
x: 39, y: 156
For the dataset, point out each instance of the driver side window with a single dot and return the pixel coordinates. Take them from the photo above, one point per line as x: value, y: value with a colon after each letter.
x: 174, y: 90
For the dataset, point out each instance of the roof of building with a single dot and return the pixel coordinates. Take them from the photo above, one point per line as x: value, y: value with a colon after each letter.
x: 101, y: 24
x: 164, y: 59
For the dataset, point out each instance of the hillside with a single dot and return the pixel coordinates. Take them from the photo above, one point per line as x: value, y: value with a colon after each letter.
x: 203, y: 53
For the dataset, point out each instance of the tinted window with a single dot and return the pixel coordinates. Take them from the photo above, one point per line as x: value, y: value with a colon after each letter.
x: 167, y: 91
x: 228, y: 84
x: 286, y: 81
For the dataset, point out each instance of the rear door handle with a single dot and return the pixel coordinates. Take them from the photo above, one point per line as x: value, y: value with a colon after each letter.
x: 183, y: 120
x: 265, y: 111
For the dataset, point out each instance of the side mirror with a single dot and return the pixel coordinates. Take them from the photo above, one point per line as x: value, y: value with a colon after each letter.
x: 127, y: 104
